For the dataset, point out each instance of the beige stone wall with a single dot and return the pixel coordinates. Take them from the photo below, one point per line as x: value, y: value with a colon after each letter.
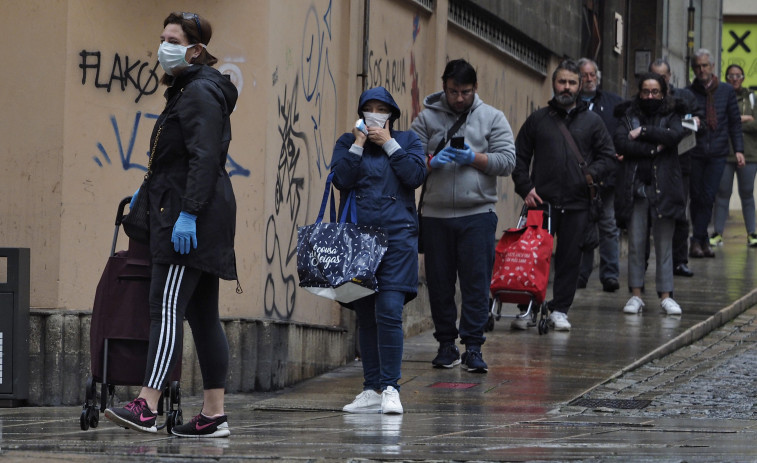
x: 79, y: 108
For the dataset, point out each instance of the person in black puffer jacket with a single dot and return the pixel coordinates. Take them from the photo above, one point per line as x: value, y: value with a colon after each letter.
x: 649, y: 185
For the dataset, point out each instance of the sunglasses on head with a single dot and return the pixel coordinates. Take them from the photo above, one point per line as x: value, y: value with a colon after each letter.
x: 197, y: 22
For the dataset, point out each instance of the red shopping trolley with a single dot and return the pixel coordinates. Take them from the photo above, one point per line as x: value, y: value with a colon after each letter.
x: 521, y: 267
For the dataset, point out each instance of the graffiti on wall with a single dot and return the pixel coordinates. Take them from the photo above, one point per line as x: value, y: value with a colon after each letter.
x: 288, y: 189
x: 142, y: 76
x: 307, y: 109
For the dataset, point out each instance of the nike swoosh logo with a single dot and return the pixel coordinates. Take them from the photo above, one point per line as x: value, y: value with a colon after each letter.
x: 143, y: 418
x: 200, y: 428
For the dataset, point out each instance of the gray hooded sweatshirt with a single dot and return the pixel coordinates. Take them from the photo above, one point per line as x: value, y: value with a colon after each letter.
x: 453, y: 190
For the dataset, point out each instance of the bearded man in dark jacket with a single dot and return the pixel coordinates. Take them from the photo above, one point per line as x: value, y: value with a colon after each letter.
x: 547, y: 170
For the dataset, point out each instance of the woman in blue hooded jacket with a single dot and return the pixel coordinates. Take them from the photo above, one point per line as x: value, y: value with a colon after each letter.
x: 384, y: 167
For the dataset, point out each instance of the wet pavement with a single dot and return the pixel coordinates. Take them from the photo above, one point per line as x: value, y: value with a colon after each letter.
x: 691, y: 378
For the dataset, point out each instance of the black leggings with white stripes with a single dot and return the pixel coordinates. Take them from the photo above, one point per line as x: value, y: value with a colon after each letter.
x: 177, y: 292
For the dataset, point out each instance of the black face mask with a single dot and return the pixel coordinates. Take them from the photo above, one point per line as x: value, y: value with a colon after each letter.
x: 650, y: 106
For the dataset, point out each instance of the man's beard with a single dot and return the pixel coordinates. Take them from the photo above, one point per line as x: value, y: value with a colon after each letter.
x: 566, y: 99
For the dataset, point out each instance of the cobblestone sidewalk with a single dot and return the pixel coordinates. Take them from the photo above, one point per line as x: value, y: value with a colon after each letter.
x: 713, y: 378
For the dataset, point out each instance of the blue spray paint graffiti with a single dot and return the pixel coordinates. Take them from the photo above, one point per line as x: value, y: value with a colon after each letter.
x: 125, y: 155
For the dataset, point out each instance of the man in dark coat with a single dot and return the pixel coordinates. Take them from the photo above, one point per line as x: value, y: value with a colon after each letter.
x: 547, y: 170
x: 721, y: 123
x: 603, y: 103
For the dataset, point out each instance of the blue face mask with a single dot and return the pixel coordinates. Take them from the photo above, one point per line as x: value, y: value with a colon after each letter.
x: 172, y: 57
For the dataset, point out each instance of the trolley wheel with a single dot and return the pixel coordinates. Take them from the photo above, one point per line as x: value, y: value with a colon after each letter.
x: 83, y: 420
x: 175, y: 418
x: 93, y: 417
x: 489, y: 323
x: 543, y: 326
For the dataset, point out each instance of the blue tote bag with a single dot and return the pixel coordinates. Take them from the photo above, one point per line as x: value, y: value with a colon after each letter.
x: 338, y: 260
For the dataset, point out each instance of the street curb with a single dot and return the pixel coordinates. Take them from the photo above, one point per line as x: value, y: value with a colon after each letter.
x: 691, y: 335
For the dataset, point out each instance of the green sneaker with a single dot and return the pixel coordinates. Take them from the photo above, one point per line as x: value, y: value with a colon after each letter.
x: 751, y: 240
x: 716, y: 239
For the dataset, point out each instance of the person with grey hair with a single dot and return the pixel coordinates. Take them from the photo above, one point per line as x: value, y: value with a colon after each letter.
x: 603, y: 103
x: 721, y: 125
x: 547, y: 170
x: 685, y: 103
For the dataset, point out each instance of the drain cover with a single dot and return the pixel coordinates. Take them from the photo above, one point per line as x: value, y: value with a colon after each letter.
x: 624, y: 404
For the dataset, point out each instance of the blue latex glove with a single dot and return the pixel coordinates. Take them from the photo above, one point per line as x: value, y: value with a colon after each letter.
x: 133, y: 199
x: 184, y: 230
x: 464, y: 156
x: 442, y: 157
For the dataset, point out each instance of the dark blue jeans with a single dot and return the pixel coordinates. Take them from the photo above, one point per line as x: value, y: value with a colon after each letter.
x: 459, y: 248
x: 381, y: 338
x: 704, y: 182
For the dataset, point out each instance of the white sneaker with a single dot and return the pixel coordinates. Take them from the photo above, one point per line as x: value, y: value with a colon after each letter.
x: 670, y: 307
x: 634, y: 305
x: 520, y: 323
x: 559, y: 321
x: 390, y: 401
x: 368, y: 401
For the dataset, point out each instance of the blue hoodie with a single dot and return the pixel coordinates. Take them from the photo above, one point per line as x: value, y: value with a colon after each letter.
x: 385, y: 191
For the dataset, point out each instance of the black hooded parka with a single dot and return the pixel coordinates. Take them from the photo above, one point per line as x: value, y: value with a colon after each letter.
x: 189, y: 172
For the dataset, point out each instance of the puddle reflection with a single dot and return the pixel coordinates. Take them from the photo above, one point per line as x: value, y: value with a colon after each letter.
x: 377, y: 428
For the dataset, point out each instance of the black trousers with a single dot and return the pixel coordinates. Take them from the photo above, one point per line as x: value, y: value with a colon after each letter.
x: 176, y: 292
x: 570, y: 227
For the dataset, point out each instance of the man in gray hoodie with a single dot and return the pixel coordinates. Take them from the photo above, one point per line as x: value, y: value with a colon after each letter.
x: 459, y: 220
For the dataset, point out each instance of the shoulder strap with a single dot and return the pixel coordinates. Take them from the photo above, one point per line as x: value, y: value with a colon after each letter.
x: 577, y: 153
x: 455, y: 127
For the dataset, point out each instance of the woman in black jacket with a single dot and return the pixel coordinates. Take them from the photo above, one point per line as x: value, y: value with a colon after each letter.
x: 650, y: 185
x: 192, y: 226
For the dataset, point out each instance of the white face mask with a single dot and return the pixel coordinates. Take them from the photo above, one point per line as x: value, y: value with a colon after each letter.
x: 376, y: 119
x: 171, y: 57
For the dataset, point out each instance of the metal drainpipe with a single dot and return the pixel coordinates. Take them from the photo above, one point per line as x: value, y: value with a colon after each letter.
x: 366, y: 50
x: 690, y: 42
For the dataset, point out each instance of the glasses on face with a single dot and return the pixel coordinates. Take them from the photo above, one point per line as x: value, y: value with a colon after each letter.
x: 734, y: 77
x: 586, y: 75
x: 653, y: 92
x: 700, y: 66
x: 455, y: 93
x: 197, y: 21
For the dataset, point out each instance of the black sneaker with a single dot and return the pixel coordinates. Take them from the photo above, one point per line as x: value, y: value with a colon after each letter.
x: 202, y: 426
x: 135, y: 415
x: 474, y: 362
x: 447, y: 357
